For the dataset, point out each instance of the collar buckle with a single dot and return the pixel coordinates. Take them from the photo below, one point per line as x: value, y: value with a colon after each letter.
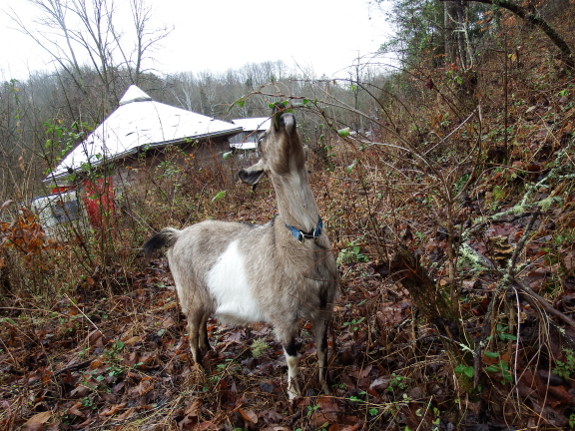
x: 314, y: 234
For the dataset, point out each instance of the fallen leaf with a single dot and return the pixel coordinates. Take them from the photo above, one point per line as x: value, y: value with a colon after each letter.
x: 113, y: 410
x: 75, y: 411
x: 194, y: 408
x: 249, y: 416
x: 168, y: 323
x: 365, y: 372
x: 380, y: 383
x: 133, y: 340
x: 37, y: 421
x: 144, y: 386
x: 126, y: 414
x: 79, y: 392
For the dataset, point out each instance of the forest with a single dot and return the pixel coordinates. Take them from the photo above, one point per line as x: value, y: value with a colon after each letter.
x: 443, y: 169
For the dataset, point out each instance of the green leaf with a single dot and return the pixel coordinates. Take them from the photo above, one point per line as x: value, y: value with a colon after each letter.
x: 350, y: 168
x: 343, y: 132
x: 227, y: 154
x: 240, y: 102
x: 507, y: 376
x: 492, y: 369
x: 492, y: 355
x: 219, y: 195
x: 509, y: 337
x: 465, y: 369
x: 460, y: 368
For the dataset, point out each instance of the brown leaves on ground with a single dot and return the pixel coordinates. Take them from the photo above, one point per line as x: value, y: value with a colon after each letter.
x: 124, y: 359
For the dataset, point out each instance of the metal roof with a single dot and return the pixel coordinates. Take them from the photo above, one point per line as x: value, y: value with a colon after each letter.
x: 139, y: 122
x: 248, y: 145
x: 255, y: 123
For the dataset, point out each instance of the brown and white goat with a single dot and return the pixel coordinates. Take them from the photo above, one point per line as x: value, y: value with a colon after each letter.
x: 279, y: 272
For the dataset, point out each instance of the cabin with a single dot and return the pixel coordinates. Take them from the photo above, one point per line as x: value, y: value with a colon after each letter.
x: 139, y: 126
x: 141, y: 134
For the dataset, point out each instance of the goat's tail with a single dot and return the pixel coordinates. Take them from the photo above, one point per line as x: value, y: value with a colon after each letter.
x: 166, y: 237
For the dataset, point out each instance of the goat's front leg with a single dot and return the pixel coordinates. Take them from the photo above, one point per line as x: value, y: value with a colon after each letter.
x: 292, y: 364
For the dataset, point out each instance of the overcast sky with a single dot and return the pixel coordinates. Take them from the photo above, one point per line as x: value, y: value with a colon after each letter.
x: 322, y: 35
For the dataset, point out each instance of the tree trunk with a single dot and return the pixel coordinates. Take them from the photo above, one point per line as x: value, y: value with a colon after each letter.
x: 460, y: 30
x: 449, y: 31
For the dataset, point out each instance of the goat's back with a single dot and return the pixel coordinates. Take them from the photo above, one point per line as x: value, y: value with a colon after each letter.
x: 242, y: 273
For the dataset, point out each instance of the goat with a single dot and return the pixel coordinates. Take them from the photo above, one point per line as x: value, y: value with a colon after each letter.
x: 278, y: 272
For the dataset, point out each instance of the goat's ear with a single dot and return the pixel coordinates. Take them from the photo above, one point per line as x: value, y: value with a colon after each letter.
x: 252, y: 174
x: 250, y: 177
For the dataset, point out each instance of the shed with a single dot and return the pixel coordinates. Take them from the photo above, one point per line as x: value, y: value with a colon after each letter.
x: 137, y: 125
x: 138, y: 133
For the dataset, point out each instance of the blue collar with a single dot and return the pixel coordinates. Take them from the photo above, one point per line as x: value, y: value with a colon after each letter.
x: 315, y: 233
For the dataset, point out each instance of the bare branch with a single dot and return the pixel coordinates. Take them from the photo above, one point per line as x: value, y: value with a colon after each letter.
x: 566, y: 55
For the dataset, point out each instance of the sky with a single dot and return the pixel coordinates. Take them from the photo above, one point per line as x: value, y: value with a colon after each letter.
x: 321, y: 36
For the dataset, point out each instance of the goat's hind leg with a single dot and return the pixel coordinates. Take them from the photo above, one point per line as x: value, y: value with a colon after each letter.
x: 203, y: 334
x: 198, y: 336
x: 320, y: 326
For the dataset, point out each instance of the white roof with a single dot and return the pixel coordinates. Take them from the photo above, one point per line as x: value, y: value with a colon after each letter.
x: 248, y: 145
x: 139, y: 122
x: 251, y: 124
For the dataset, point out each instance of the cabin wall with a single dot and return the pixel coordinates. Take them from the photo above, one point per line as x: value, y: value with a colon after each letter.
x: 162, y: 163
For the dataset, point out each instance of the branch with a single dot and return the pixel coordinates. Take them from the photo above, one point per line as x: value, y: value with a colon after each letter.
x: 566, y: 55
x: 533, y: 297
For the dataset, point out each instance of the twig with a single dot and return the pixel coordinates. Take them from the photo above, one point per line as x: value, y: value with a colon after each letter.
x: 535, y: 298
x: 84, y: 314
x: 73, y: 367
x: 521, y: 244
x: 451, y: 133
x: 516, y: 359
x: 509, y: 277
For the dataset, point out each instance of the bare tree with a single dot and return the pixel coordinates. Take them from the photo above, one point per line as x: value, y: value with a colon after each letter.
x: 146, y: 39
x: 82, y: 35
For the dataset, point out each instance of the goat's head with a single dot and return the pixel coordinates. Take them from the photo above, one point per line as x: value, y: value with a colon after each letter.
x: 280, y: 149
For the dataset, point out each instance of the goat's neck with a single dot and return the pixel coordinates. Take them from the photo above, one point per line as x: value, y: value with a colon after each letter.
x: 296, y: 203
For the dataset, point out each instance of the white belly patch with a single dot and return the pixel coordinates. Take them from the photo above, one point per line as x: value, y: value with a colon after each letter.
x: 228, y: 283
